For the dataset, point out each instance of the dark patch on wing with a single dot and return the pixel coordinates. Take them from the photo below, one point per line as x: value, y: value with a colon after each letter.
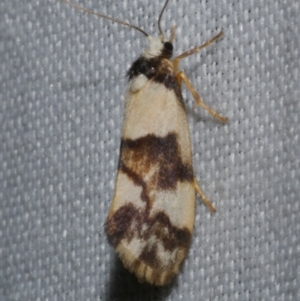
x: 159, y: 154
x: 118, y: 226
x: 161, y: 157
x: 158, y: 70
x: 137, y: 180
x: 149, y: 255
x: 152, y: 163
x: 172, y: 237
x: 128, y: 222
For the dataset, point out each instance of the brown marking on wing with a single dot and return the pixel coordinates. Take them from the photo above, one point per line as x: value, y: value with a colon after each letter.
x: 171, y: 237
x: 128, y: 222
x: 153, y: 163
x: 122, y: 224
x: 149, y: 256
x: 137, y: 180
x: 159, y: 155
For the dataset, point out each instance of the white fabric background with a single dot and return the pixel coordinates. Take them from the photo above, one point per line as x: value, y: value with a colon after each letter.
x: 62, y: 84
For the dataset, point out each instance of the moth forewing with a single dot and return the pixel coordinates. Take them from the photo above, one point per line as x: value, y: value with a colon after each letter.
x: 152, y: 218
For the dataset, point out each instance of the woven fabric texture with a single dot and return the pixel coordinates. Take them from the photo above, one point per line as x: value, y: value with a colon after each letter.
x: 62, y: 85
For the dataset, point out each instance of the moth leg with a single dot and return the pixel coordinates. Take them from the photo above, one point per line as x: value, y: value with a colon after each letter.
x: 194, y: 50
x: 180, y: 76
x: 203, y: 197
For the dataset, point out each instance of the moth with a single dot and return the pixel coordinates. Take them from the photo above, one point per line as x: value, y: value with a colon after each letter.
x: 151, y: 217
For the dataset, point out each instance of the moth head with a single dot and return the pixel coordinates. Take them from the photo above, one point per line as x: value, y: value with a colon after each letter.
x: 158, y: 47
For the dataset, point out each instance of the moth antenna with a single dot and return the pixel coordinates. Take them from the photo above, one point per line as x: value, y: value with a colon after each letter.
x: 105, y: 17
x: 159, y: 19
x: 172, y: 36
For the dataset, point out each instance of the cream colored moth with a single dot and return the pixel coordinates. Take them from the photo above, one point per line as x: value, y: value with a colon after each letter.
x: 151, y: 217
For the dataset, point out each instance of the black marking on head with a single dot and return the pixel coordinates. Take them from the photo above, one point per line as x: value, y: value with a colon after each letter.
x: 167, y: 50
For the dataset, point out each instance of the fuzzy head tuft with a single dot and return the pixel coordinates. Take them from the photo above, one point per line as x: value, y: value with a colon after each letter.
x: 158, y: 47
